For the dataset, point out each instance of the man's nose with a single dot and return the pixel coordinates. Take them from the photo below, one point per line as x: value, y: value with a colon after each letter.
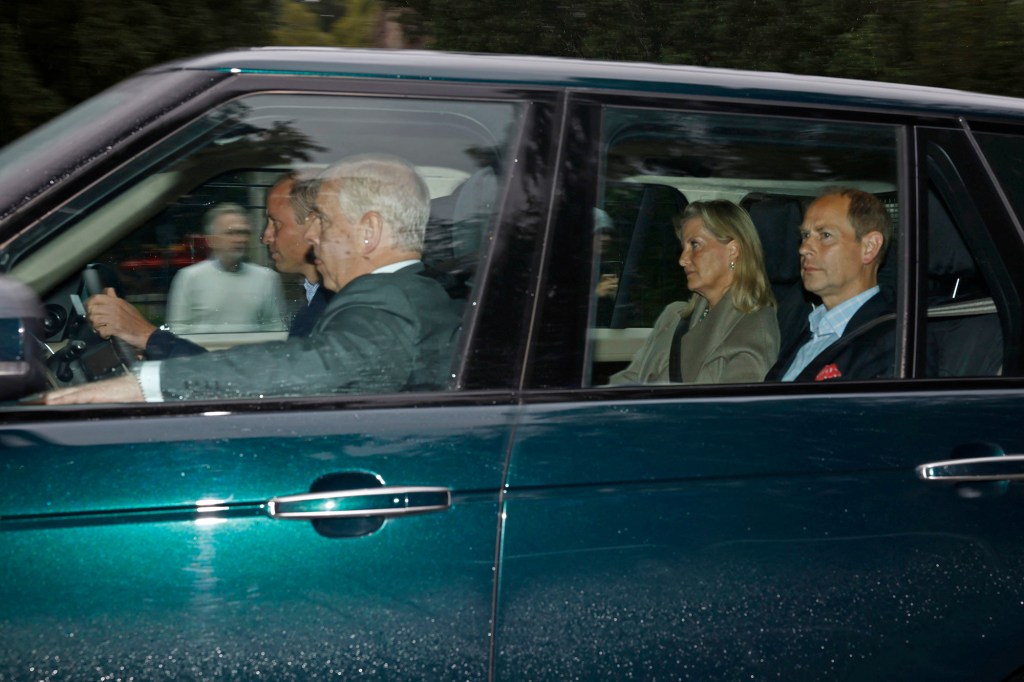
x: 267, y: 237
x: 805, y: 246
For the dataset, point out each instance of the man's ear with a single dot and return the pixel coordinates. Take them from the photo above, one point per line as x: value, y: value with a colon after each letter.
x: 371, y: 229
x: 871, y: 246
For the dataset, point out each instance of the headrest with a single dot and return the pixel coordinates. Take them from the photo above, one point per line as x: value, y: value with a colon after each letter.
x: 947, y: 252
x: 777, y: 220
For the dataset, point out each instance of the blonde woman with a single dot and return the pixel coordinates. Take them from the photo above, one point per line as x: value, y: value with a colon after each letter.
x: 727, y: 331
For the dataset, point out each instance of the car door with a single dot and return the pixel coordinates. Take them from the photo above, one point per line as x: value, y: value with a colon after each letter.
x: 290, y: 537
x: 795, y: 531
x: 147, y: 544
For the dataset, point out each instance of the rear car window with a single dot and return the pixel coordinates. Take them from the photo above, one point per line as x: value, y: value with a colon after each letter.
x: 657, y: 162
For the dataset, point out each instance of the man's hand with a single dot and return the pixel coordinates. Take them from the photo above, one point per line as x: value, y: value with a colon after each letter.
x: 123, y: 389
x: 113, y: 316
x: 607, y: 286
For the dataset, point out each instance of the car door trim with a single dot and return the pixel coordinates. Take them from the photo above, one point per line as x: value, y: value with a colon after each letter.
x: 998, y: 468
x: 384, y: 502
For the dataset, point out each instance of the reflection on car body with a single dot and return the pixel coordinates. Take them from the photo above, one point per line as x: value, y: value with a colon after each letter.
x: 562, y: 528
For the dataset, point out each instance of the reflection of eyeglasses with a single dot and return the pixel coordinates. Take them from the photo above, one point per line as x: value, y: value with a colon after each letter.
x: 236, y: 232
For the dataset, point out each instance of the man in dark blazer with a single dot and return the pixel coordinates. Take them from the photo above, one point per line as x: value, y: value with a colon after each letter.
x: 289, y: 202
x: 852, y: 335
x: 388, y: 328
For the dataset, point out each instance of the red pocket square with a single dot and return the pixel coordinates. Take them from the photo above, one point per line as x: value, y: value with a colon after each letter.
x: 828, y: 372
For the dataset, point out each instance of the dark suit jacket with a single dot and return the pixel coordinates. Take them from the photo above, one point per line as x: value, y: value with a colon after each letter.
x: 866, y: 350
x: 305, y: 319
x: 163, y: 345
x: 381, y: 333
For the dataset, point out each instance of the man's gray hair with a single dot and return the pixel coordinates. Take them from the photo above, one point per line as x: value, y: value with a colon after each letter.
x: 223, y: 209
x: 388, y: 185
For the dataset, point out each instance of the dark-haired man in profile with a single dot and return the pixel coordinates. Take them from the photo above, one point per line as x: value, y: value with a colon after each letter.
x: 843, y: 240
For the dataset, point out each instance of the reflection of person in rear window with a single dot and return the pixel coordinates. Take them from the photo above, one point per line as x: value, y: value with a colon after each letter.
x: 727, y: 332
x: 610, y: 269
x: 223, y: 294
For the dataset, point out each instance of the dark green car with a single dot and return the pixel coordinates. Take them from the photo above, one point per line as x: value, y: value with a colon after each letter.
x: 529, y: 521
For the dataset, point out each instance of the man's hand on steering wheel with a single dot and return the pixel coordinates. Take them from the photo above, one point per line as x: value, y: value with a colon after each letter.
x: 112, y: 316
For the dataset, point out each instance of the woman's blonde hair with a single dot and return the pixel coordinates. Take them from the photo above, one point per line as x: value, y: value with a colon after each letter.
x: 728, y: 222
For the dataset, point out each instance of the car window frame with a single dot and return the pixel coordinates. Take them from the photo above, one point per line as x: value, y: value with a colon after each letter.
x: 975, y: 128
x: 973, y: 194
x: 565, y: 331
x: 495, y: 336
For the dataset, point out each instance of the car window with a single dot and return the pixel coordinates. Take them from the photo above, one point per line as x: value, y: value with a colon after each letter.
x: 657, y: 163
x: 177, y: 230
x: 1005, y: 154
x: 972, y: 305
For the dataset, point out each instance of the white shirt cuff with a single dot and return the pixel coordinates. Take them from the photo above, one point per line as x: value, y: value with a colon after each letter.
x: 149, y: 381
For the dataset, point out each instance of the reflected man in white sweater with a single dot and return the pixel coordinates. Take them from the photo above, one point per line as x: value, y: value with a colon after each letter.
x: 224, y: 294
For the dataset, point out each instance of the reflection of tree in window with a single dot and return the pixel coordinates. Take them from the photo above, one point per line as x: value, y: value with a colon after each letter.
x: 242, y: 145
x: 692, y: 145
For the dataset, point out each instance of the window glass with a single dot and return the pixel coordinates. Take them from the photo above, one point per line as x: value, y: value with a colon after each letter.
x: 179, y: 232
x: 1005, y: 154
x: 964, y: 335
x: 659, y: 163
x: 970, y: 303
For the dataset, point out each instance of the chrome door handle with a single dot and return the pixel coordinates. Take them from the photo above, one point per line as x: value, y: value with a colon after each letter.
x: 1002, y: 468
x: 346, y: 504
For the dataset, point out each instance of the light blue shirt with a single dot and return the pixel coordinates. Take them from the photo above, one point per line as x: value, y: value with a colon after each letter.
x: 310, y: 290
x: 826, y: 328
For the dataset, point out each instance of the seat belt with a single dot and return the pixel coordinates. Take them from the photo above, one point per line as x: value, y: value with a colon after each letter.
x: 675, y: 370
x: 831, y: 352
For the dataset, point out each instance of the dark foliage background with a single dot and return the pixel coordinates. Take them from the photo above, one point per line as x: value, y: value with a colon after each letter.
x: 969, y: 44
x: 55, y: 53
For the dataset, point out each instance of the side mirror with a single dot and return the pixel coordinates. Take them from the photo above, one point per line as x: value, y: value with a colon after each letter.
x: 22, y: 355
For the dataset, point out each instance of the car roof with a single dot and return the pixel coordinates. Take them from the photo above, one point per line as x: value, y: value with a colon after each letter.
x: 582, y: 74
x: 79, y: 136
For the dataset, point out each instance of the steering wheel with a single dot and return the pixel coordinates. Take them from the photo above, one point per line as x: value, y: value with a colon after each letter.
x: 87, y: 356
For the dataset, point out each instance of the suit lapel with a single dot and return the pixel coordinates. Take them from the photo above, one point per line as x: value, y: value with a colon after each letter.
x: 875, y: 307
x: 706, y: 335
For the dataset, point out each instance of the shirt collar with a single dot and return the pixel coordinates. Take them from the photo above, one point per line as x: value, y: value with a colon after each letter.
x: 310, y: 288
x: 395, y: 267
x: 824, y: 322
x: 217, y: 263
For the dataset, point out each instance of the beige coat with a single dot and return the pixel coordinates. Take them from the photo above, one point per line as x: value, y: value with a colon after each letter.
x: 725, y: 347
